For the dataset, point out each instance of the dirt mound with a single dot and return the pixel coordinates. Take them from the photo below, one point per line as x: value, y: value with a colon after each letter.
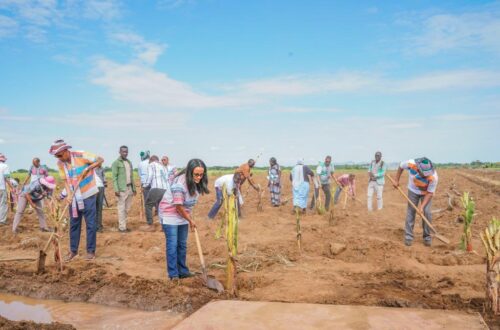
x: 28, y: 325
x: 89, y: 282
x: 371, y: 266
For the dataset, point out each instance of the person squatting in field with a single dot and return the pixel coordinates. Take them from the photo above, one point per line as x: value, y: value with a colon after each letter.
x: 376, y: 181
x: 34, y: 194
x: 176, y: 209
x: 345, y: 181
x: 325, y: 173
x: 274, y: 182
x: 422, y: 184
x: 300, y: 176
x: 73, y: 166
x: 232, y: 183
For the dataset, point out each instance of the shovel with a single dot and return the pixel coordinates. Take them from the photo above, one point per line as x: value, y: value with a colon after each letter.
x: 210, y: 282
x: 438, y: 236
x: 43, y: 253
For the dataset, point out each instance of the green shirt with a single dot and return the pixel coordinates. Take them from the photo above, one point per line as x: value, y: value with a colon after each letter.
x: 119, y: 175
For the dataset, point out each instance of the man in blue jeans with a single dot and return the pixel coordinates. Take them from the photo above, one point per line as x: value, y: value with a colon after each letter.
x: 76, y: 169
x: 231, y: 181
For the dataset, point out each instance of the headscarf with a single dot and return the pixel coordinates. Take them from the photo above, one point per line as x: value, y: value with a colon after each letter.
x: 298, y: 174
x: 425, y: 166
x: 144, y: 155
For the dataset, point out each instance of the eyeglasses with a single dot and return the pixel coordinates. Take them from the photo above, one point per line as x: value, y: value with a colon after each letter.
x: 198, y: 175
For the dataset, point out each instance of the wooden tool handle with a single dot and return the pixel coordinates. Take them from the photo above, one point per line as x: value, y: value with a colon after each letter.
x: 411, y: 203
x: 200, y: 251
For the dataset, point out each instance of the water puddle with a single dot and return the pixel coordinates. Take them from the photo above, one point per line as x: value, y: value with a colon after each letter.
x: 84, y: 315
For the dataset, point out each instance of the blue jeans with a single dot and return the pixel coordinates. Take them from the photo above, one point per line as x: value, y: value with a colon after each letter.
x: 176, y: 241
x: 217, y: 204
x: 89, y: 212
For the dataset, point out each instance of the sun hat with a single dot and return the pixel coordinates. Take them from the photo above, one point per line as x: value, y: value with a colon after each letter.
x: 2, y: 158
x: 58, y: 146
x: 425, y: 166
x: 49, y: 182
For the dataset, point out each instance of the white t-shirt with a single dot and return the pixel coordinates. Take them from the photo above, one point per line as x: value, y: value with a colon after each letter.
x: 98, y: 181
x: 4, y: 172
x: 225, y: 180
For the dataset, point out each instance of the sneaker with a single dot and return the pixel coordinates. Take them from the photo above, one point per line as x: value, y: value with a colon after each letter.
x: 90, y: 256
x: 428, y: 243
x: 408, y: 242
x: 188, y: 275
x: 70, y: 256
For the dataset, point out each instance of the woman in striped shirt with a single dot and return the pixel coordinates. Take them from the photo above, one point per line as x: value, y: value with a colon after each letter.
x: 176, y: 209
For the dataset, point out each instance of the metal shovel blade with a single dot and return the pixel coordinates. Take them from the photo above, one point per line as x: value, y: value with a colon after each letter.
x: 212, y: 283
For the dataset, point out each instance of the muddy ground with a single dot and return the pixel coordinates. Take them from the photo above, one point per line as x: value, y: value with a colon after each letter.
x: 360, y: 258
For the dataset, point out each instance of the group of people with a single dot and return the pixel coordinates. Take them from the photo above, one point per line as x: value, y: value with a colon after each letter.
x: 174, y: 193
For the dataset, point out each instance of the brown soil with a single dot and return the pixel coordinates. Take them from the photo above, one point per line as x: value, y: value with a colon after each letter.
x: 28, y: 325
x: 375, y: 268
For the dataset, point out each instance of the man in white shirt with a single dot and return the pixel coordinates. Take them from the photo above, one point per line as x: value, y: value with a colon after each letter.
x: 171, y: 169
x: 4, y: 183
x: 325, y: 173
x: 142, y: 170
x: 232, y: 182
x: 158, y: 183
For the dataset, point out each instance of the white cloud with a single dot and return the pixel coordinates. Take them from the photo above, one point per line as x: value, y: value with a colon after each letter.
x: 141, y: 84
x: 137, y: 120
x: 8, y: 26
x: 146, y: 52
x: 102, y: 9
x: 463, y: 79
x: 465, y: 117
x: 472, y: 30
x: 35, y: 17
x: 172, y: 4
x: 307, y: 84
x: 308, y: 110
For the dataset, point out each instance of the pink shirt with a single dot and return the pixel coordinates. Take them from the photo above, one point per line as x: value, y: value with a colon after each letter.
x: 344, y: 182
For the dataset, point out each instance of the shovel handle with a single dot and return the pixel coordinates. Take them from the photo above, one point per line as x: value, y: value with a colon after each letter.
x: 200, y: 251
x: 440, y: 237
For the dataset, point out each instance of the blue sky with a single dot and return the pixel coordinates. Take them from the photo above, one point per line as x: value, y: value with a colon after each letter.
x: 228, y: 80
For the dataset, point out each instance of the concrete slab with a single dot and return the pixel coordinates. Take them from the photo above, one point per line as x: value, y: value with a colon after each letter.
x: 254, y: 315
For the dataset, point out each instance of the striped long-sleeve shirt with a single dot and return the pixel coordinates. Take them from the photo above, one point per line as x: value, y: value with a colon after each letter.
x: 157, y: 176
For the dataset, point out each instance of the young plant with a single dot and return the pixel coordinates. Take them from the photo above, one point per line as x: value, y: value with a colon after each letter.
x: 299, y: 232
x: 231, y: 207
x: 468, y: 215
x: 491, y: 241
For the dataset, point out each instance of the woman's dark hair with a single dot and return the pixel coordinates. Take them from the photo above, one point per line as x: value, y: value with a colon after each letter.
x: 202, y: 187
